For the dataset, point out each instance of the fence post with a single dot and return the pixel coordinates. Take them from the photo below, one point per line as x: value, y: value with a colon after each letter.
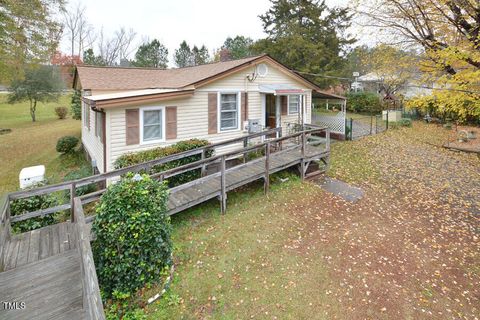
x: 371, y: 125
x: 351, y: 130
x: 327, y: 136
x: 203, y: 170
x: 386, y: 127
x: 223, y: 193
x: 72, y: 204
x: 266, y: 184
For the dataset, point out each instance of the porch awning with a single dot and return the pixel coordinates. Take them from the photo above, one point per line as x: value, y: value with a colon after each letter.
x: 280, y: 89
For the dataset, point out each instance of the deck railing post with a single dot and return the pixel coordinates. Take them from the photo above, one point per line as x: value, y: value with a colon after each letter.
x: 302, y: 163
x: 72, y: 204
x: 245, y: 144
x: 223, y: 192
x: 203, y: 170
x: 266, y: 184
x: 327, y: 136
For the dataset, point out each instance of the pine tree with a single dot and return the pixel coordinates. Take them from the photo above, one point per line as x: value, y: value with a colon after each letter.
x: 186, y: 56
x: 152, y: 54
x: 238, y: 47
x: 183, y: 55
x: 200, y: 56
x: 307, y: 36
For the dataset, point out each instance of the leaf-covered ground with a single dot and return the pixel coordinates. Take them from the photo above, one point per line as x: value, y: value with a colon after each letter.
x: 409, y: 249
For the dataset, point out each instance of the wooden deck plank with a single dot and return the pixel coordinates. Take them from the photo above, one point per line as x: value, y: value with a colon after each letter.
x: 55, y: 243
x: 45, y: 236
x: 71, y: 235
x: 22, y: 258
x: 12, y: 253
x: 34, y: 246
x: 63, y: 237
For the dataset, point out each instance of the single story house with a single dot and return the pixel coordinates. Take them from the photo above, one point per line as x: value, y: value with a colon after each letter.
x: 131, y: 109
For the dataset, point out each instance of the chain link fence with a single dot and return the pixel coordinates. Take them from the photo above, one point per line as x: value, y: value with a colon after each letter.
x: 364, y: 126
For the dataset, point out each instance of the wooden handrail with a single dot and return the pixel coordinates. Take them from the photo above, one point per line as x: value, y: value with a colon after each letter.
x: 133, y: 168
x: 200, y: 164
x: 92, y: 301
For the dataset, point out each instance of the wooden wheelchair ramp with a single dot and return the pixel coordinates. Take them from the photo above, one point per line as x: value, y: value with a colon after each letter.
x: 211, y: 186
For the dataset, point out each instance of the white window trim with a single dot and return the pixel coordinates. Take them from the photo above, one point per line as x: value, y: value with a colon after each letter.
x: 85, y: 119
x: 163, y: 124
x: 288, y: 104
x: 239, y: 111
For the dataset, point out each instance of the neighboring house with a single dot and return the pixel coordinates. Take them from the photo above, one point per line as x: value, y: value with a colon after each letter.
x: 409, y: 88
x: 132, y: 109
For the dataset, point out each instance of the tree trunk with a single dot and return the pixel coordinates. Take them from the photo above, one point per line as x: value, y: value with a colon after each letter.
x: 33, y: 108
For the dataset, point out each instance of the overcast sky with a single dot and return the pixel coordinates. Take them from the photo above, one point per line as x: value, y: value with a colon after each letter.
x: 198, y: 22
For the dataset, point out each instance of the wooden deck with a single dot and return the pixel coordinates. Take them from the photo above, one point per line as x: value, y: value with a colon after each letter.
x: 51, y: 288
x: 51, y: 270
x: 48, y: 273
x: 39, y: 244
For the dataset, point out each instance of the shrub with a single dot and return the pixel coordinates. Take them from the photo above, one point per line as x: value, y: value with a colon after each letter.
x: 67, y: 144
x: 366, y: 102
x: 83, y: 172
x: 133, y: 244
x: 405, y: 122
x: 181, y: 146
x: 76, y: 105
x: 61, y: 112
x: 31, y: 204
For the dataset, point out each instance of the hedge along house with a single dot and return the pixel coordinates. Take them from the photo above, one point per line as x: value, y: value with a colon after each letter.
x: 132, y: 109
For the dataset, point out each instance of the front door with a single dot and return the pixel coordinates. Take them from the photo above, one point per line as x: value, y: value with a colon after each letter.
x: 270, y: 111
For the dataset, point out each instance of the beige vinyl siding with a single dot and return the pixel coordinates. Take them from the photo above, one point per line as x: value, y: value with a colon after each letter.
x: 91, y: 142
x: 192, y: 122
x: 192, y: 113
x: 238, y: 81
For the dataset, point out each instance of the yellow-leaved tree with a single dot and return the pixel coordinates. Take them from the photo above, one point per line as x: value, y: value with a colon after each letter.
x: 448, y: 31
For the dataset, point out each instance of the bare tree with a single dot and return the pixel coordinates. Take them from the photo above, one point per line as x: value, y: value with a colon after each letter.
x: 78, y: 30
x: 119, y: 46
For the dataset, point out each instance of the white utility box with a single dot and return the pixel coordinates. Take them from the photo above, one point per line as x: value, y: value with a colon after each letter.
x: 393, y: 115
x: 31, y: 175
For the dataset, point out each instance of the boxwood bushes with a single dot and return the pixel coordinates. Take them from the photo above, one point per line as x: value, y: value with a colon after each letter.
x: 156, y: 153
x: 133, y: 244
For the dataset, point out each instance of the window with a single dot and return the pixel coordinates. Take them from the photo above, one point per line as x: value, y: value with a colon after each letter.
x: 85, y: 114
x: 152, y: 122
x: 99, y: 125
x: 293, y: 104
x: 228, y: 111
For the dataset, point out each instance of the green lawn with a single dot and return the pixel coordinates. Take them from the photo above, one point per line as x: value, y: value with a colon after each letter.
x: 246, y: 263
x: 33, y: 143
